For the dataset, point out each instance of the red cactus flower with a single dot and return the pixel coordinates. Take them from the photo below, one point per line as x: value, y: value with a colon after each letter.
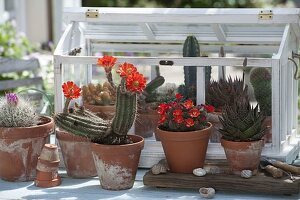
x: 177, y: 112
x: 162, y: 108
x: 126, y: 69
x: 178, y: 119
x: 188, y: 104
x: 209, y: 108
x: 189, y: 122
x: 71, y: 90
x: 135, y: 82
x: 194, y: 112
x: 162, y: 119
x: 178, y: 96
x: 107, y: 62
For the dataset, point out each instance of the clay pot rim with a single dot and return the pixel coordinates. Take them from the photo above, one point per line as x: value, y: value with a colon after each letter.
x: 239, y: 145
x: 140, y: 141
x: 48, y: 162
x: 16, y: 132
x: 64, y: 135
x: 230, y: 141
x: 184, y: 132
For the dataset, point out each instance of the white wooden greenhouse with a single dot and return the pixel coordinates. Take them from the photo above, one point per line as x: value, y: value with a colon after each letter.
x: 267, y: 38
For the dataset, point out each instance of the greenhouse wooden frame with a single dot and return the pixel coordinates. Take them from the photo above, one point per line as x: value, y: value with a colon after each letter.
x: 258, y: 32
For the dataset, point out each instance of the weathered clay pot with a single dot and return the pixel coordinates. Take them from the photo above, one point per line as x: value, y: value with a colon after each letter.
x: 47, y: 179
x: 268, y: 133
x: 146, y: 123
x: 185, y: 151
x: 117, y: 164
x: 105, y: 112
x: 77, y: 154
x: 49, y: 153
x: 242, y: 155
x: 20, y: 149
x: 213, y: 118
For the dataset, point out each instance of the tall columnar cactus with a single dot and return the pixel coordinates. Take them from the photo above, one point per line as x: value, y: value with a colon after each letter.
x: 84, y: 123
x: 15, y: 111
x: 150, y: 94
x: 191, y: 49
x: 260, y: 79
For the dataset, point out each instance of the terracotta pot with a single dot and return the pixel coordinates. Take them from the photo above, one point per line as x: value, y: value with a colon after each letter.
x: 185, y: 151
x: 146, y: 123
x: 213, y: 118
x: 105, y: 112
x: 117, y: 164
x: 20, y: 148
x: 77, y: 154
x: 47, y: 166
x: 49, y: 153
x: 268, y: 133
x: 242, y: 155
x: 47, y: 179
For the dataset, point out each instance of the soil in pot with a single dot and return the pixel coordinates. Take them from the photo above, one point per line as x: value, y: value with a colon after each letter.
x: 20, y: 149
x: 117, y: 164
x: 242, y: 155
x: 77, y: 154
x: 185, y: 151
x: 146, y: 123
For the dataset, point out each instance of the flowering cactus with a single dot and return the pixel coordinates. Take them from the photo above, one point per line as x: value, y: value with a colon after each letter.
x: 15, y: 111
x: 183, y: 115
x: 82, y: 122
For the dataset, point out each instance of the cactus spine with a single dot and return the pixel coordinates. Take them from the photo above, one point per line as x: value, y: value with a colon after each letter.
x: 191, y: 49
x: 15, y: 111
x: 260, y: 79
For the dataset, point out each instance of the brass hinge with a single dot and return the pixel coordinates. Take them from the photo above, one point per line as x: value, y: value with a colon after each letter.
x: 92, y: 13
x: 265, y: 14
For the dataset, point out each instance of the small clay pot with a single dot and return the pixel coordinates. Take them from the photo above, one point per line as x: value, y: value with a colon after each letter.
x: 105, y: 112
x: 146, y: 123
x: 268, y: 133
x: 47, y: 179
x: 213, y: 118
x: 49, y: 153
x: 47, y: 166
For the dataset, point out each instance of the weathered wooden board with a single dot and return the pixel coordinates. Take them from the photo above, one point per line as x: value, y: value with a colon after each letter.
x: 224, y: 182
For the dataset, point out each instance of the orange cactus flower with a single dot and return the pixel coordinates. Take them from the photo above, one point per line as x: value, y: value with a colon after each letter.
x: 189, y: 122
x: 107, y: 62
x: 194, y: 112
x: 71, y: 90
x: 177, y: 112
x: 126, y: 69
x: 178, y: 96
x: 162, y: 119
x: 178, y: 119
x: 188, y: 104
x: 209, y: 108
x: 135, y: 82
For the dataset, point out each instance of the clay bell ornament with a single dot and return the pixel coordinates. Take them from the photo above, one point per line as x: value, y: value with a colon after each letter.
x: 47, y: 167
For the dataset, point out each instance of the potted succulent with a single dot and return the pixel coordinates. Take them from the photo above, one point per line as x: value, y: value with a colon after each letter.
x: 147, y: 118
x: 219, y: 93
x: 184, y: 133
x: 22, y: 136
x: 116, y: 154
x: 242, y: 132
x: 101, y: 98
x: 261, y: 79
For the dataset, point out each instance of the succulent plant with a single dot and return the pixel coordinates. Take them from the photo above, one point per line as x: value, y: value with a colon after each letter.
x: 99, y: 94
x: 241, y: 121
x: 191, y: 49
x: 79, y: 121
x: 15, y: 111
x: 260, y: 79
x: 225, y: 91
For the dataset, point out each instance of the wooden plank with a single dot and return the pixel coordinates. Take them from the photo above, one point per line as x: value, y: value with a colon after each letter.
x: 224, y: 182
x: 10, y: 84
x: 16, y: 65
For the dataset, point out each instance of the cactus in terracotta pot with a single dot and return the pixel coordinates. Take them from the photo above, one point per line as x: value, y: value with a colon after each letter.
x: 23, y: 133
x: 110, y: 137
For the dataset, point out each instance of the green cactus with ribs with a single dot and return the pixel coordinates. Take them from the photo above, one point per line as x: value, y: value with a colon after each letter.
x: 191, y: 49
x: 260, y: 79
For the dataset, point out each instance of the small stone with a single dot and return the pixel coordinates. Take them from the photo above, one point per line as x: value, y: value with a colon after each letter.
x: 199, y: 172
x: 246, y: 173
x: 158, y: 169
x: 207, y: 193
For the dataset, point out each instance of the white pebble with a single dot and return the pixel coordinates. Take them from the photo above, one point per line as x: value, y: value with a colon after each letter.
x: 207, y: 193
x: 199, y: 172
x: 246, y: 173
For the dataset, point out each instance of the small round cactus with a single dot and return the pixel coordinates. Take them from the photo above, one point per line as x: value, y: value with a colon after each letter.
x: 15, y: 111
x: 99, y: 94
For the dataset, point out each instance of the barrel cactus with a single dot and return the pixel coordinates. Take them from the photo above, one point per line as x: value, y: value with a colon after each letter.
x: 99, y: 94
x: 79, y: 121
x: 260, y: 79
x: 222, y: 92
x: 242, y: 122
x: 15, y: 111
